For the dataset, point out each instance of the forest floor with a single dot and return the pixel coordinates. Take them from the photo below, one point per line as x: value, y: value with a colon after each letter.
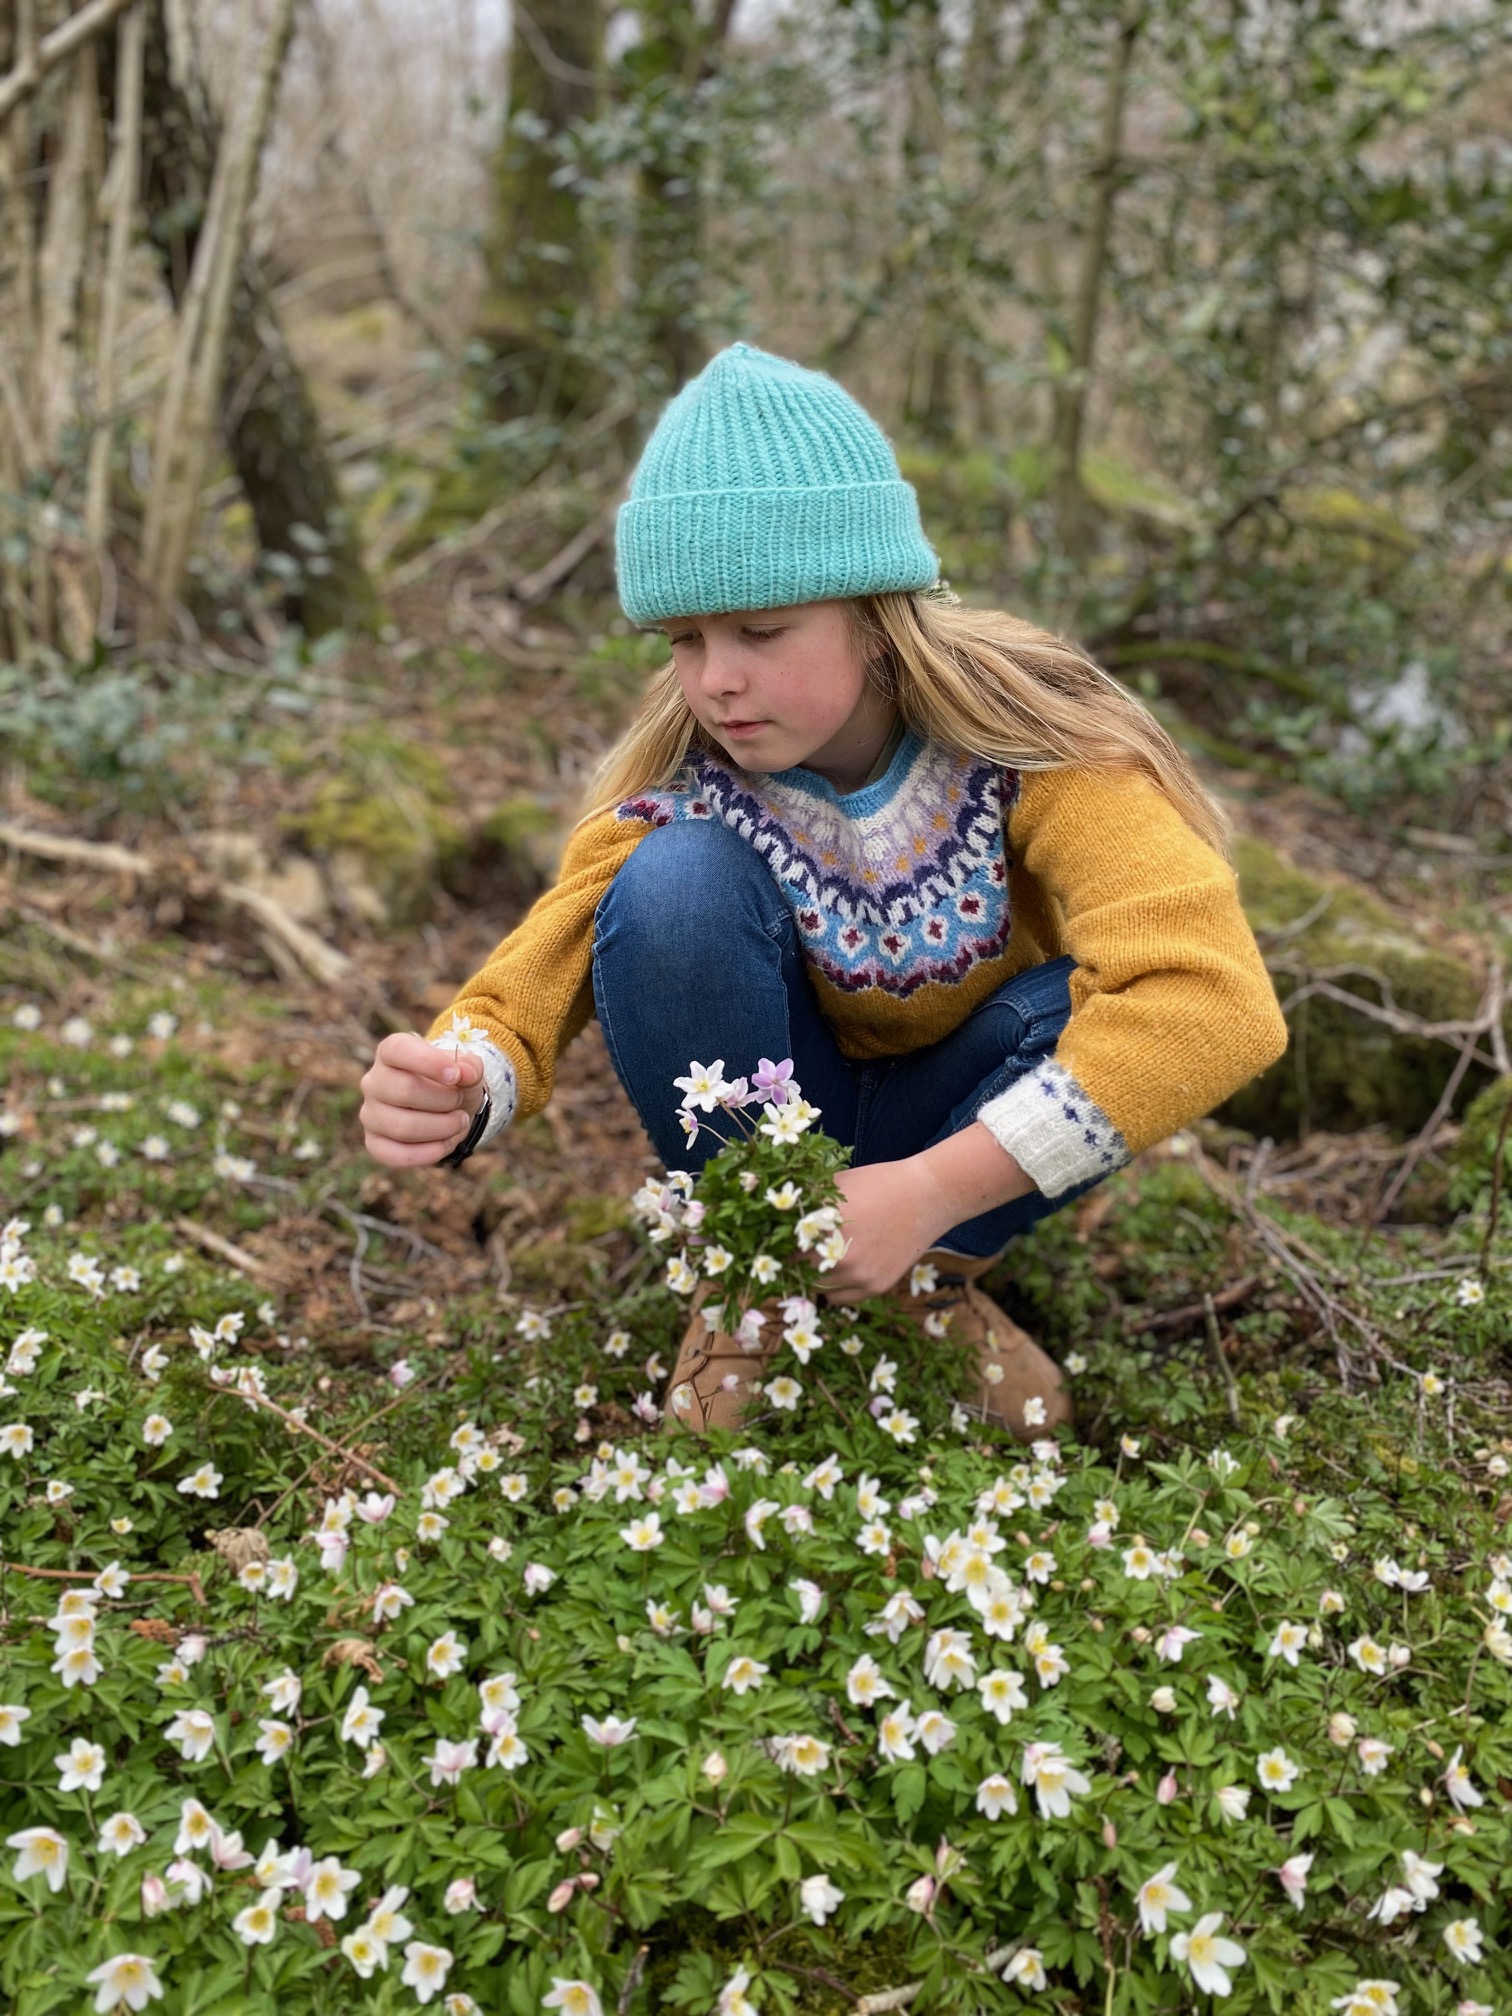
x: 546, y: 1215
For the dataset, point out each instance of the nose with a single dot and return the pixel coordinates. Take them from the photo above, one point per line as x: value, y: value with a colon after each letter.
x: 721, y: 675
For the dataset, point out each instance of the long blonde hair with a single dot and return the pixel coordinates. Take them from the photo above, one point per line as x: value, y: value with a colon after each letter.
x: 979, y: 680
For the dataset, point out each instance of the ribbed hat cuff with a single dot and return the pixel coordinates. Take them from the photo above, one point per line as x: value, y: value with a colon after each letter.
x: 702, y: 552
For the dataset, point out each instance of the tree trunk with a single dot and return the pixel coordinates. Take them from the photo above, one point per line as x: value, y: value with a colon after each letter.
x: 545, y: 268
x: 268, y: 418
x: 1075, y: 513
x: 677, y: 52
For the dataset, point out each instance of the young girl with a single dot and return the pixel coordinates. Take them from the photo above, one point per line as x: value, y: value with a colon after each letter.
x: 931, y: 855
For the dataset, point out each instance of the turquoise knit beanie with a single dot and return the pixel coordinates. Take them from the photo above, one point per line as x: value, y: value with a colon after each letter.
x: 764, y: 484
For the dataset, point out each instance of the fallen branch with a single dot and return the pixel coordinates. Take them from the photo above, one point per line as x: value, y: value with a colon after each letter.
x: 191, y: 1582
x: 321, y: 961
x: 1193, y: 1312
x: 255, y: 1399
x: 223, y: 1249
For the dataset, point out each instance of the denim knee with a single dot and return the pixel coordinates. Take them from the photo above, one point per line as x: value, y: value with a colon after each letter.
x: 685, y: 887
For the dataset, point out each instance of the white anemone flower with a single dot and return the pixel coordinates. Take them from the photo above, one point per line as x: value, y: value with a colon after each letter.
x: 819, y: 1898
x: 996, y: 1796
x: 81, y: 1767
x: 573, y: 1998
x: 425, y: 1969
x: 1209, y: 1957
x: 193, y: 1730
x: 1459, y: 1786
x: 1157, y: 1895
x: 326, y: 1889
x: 129, y: 1978
x: 1276, y: 1771
x: 42, y: 1852
x: 121, y: 1833
x: 257, y: 1924
x: 1054, y: 1779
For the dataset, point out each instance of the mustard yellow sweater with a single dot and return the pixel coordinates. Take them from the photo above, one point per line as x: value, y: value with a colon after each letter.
x: 915, y: 898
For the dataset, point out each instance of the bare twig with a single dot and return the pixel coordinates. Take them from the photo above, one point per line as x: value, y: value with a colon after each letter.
x: 191, y: 1582
x: 632, y: 1981
x: 255, y: 1399
x: 1189, y: 1312
x: 1492, y: 1008
x: 1497, y: 1154
x: 1215, y: 1345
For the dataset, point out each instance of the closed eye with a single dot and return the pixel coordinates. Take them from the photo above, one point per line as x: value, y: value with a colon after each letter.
x: 747, y: 630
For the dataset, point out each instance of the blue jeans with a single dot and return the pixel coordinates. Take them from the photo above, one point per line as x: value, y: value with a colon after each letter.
x: 696, y: 955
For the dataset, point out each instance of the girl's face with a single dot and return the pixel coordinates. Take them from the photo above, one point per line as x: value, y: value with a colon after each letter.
x: 779, y: 687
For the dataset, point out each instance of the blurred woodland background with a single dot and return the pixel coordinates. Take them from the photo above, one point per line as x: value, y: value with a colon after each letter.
x: 330, y: 331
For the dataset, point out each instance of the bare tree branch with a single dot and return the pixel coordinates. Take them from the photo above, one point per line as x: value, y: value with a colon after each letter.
x: 34, y: 64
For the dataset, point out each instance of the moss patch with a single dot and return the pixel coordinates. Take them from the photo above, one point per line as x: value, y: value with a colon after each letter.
x: 1345, y: 1069
x: 382, y: 823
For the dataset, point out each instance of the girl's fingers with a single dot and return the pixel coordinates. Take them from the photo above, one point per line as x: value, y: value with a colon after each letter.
x: 398, y: 1123
x: 408, y: 1052
x: 406, y: 1155
x: 386, y: 1085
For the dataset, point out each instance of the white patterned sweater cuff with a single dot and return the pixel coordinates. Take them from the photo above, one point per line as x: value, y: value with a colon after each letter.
x: 1056, y: 1134
x: 499, y: 1080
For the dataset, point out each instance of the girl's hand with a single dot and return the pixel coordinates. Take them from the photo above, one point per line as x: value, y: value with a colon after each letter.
x: 890, y: 1215
x: 417, y: 1101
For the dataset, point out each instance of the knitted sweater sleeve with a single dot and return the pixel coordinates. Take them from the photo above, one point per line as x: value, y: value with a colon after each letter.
x: 1171, y: 1006
x: 534, y: 992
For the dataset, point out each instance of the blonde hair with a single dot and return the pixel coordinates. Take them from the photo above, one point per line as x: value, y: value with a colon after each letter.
x: 979, y: 680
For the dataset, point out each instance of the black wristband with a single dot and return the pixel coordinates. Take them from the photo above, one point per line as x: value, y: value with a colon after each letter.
x: 469, y: 1141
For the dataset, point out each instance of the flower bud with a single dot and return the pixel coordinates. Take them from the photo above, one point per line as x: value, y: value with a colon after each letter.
x: 1341, y: 1729
x: 154, y: 1896
x: 461, y: 1895
x: 588, y: 1881
x: 568, y: 1839
x: 1434, y: 1749
x: 1165, y: 1791
x: 714, y: 1767
x: 1109, y: 1834
x: 1199, y: 1537
x: 1163, y: 1700
x: 562, y: 1895
x: 1425, y: 1793
x: 1140, y: 1635
x: 920, y: 1895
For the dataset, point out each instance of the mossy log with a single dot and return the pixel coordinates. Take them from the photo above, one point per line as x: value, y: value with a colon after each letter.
x: 1346, y: 1068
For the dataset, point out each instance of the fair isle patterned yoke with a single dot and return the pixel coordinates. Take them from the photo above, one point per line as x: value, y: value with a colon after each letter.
x: 899, y: 884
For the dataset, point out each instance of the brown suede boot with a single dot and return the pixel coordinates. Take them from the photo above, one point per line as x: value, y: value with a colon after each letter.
x: 714, y: 1380
x: 1012, y: 1369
